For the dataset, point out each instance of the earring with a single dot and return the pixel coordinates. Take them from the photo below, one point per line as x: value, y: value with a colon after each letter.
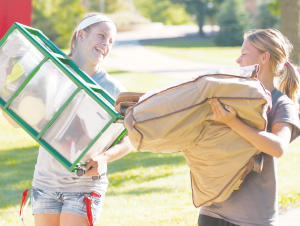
x: 81, y: 39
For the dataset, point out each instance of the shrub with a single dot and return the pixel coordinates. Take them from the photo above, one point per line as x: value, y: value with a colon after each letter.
x: 265, y: 19
x: 57, y: 19
x: 234, y: 20
x: 163, y: 11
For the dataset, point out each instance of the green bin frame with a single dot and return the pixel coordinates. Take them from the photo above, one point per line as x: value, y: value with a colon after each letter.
x: 84, y: 82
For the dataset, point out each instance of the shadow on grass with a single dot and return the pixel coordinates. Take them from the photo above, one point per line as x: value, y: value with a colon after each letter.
x: 16, y: 169
x: 116, y: 72
x: 180, y: 42
x: 140, y: 191
x: 143, y: 163
x: 145, y: 159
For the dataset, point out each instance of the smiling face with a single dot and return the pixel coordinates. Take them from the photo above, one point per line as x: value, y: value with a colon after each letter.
x: 97, y: 42
x: 250, y: 55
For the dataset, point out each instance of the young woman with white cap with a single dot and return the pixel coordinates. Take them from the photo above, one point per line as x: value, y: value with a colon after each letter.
x: 58, y: 197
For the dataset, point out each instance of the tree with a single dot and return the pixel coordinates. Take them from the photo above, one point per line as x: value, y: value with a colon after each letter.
x: 201, y: 8
x: 265, y: 18
x: 165, y: 11
x: 290, y: 25
x: 111, y: 6
x: 178, y: 11
x: 57, y: 19
x: 274, y: 7
x: 234, y: 20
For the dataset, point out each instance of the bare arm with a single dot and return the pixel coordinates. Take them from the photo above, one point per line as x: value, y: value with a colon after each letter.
x: 10, y: 120
x: 97, y: 165
x: 274, y: 143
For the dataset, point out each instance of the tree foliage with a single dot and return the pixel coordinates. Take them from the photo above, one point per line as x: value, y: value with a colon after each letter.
x: 164, y: 11
x: 265, y: 18
x: 111, y: 6
x: 57, y: 19
x: 202, y: 8
x: 234, y: 20
x: 274, y: 7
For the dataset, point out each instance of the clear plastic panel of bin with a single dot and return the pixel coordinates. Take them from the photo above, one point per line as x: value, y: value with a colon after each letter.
x: 84, y: 78
x: 105, y: 141
x: 42, y: 43
x: 43, y: 96
x: 74, y: 72
x: 77, y: 126
x: 18, y: 58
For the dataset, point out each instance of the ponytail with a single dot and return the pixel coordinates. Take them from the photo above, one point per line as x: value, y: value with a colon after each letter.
x: 290, y: 83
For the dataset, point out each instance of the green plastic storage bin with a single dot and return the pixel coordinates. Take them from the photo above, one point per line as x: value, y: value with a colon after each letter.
x: 53, y: 100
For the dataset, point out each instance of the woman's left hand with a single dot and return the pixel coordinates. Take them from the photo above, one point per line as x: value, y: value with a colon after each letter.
x: 96, y: 166
x: 226, y: 116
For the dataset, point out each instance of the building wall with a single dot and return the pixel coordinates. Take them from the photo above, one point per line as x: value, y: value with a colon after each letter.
x: 12, y: 11
x: 251, y: 5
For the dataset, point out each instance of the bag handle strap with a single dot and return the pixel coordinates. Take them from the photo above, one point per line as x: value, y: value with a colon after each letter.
x: 88, y: 203
x: 24, y: 204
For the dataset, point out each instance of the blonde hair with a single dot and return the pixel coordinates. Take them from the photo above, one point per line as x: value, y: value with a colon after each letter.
x: 87, y: 29
x: 280, y: 48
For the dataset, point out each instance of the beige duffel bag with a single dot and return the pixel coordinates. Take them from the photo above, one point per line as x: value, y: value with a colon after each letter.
x: 177, y: 119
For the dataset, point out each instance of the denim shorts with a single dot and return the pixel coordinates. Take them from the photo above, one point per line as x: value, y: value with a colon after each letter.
x: 48, y: 202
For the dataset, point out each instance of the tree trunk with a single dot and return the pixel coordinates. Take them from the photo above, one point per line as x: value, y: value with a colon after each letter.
x: 212, y: 24
x: 290, y: 25
x: 200, y: 8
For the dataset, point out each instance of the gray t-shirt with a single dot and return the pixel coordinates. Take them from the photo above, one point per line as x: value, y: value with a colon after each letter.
x: 256, y: 202
x: 50, y: 175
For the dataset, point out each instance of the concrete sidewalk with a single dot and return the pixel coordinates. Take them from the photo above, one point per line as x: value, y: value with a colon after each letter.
x: 129, y: 55
x: 290, y: 217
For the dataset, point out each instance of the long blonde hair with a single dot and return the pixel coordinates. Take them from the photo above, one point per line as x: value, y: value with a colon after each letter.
x: 280, y: 48
x: 87, y: 29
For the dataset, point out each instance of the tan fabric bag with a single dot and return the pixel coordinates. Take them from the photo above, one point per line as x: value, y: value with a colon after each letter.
x: 177, y: 119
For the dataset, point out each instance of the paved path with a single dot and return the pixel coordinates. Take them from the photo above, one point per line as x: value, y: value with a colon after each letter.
x: 290, y: 217
x: 129, y: 55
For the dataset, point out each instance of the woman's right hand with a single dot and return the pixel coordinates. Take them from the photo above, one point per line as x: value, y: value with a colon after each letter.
x: 226, y: 116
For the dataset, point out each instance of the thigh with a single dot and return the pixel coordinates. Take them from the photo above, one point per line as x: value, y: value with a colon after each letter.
x: 74, y: 204
x: 46, y: 219
x: 70, y: 219
x: 205, y: 220
x: 45, y: 202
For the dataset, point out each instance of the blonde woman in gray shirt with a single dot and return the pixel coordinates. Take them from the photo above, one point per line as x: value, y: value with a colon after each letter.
x: 256, y: 202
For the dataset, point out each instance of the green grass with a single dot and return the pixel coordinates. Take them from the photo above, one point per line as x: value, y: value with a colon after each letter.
x: 145, y: 188
x: 289, y: 176
x: 201, y: 50
x: 139, y: 82
x: 11, y: 138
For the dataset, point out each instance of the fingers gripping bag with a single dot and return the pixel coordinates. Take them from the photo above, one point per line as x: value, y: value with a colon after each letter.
x: 178, y: 118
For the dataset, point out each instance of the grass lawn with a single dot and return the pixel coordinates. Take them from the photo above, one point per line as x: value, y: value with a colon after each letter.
x: 289, y: 176
x: 139, y: 82
x: 198, y: 50
x: 145, y: 188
